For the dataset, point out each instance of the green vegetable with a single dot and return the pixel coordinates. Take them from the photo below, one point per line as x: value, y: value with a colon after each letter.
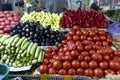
x: 34, y: 47
x: 37, y: 52
x: 29, y: 48
x: 25, y: 46
x: 20, y: 42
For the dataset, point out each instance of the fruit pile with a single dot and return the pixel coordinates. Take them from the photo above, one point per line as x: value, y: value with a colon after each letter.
x: 45, y: 18
x: 17, y: 52
x: 35, y: 32
x: 83, y: 18
x: 83, y: 52
x: 7, y: 20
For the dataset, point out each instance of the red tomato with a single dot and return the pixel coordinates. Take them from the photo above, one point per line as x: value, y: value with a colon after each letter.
x: 80, y: 71
x: 92, y: 51
x: 87, y: 58
x: 80, y: 58
x: 92, y: 33
x: 71, y: 71
x: 66, y: 65
x: 84, y: 65
x: 106, y: 58
x: 75, y: 64
x: 96, y: 38
x: 62, y: 72
x: 118, y: 72
x: 109, y: 71
x: 88, y: 47
x: 51, y: 71
x: 76, y: 27
x: 57, y: 65
x: 72, y: 32
x: 83, y: 37
x: 89, y: 38
x: 76, y: 38
x: 43, y: 69
x: 74, y: 53
x: 46, y: 61
x: 78, y: 43
x: 103, y: 37
x: 101, y: 32
x: 98, y: 72
x: 48, y: 50
x: 97, y: 57
x: 85, y: 53
x: 88, y: 72
x: 68, y: 58
x: 64, y: 41
x: 93, y: 64
x: 78, y: 32
x: 56, y: 48
x: 105, y: 43
x: 68, y: 53
x: 103, y: 65
x: 85, y: 32
x: 79, y: 48
x: 48, y: 55
x: 115, y: 65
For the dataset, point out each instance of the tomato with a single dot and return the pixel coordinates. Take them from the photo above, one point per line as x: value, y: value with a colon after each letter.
x: 68, y: 58
x: 48, y: 55
x: 66, y: 65
x: 75, y: 64
x: 89, y: 38
x: 62, y: 72
x: 61, y: 54
x: 86, y: 42
x: 96, y: 38
x: 51, y: 71
x: 71, y: 71
x: 84, y: 65
x: 54, y: 53
x: 87, y: 58
x: 64, y: 41
x: 83, y: 37
x: 103, y: 65
x: 88, y: 72
x: 43, y: 69
x: 93, y: 64
x: 109, y: 71
x: 69, y: 37
x: 48, y: 50
x: 92, y: 51
x: 59, y: 58
x: 78, y: 43
x: 74, y: 53
x: 50, y: 65
x: 98, y: 43
x: 103, y: 37
x: 79, y: 71
x: 88, y: 47
x: 106, y: 57
x: 72, y: 32
x: 76, y: 27
x: 56, y: 48
x: 97, y: 57
x: 114, y: 65
x: 52, y: 60
x: 105, y: 43
x: 68, y: 53
x: 46, y: 61
x: 65, y: 49
x: 98, y: 72
x: 85, y: 32
x: 101, y: 32
x: 78, y: 32
x: 118, y: 72
x: 60, y: 45
x: 57, y: 65
x: 117, y: 53
x: 80, y: 58
x: 85, y: 53
x: 76, y: 38
x: 92, y: 33
x: 79, y: 48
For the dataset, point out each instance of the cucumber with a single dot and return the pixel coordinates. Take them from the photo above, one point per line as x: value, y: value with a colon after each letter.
x: 5, y: 41
x: 7, y: 61
x: 4, y: 38
x: 33, y: 48
x: 29, y: 48
x: 20, y: 42
x: 23, y: 43
x: 12, y: 38
x: 37, y: 52
x: 24, y: 53
x: 43, y: 54
x: 40, y: 57
x: 20, y: 51
x: 25, y: 46
x: 4, y: 57
x: 34, y: 61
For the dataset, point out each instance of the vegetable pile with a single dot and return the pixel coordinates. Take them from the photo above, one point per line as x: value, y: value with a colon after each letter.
x: 17, y: 52
x: 83, y: 52
x: 7, y: 20
x: 45, y: 18
x: 83, y: 18
x: 35, y: 32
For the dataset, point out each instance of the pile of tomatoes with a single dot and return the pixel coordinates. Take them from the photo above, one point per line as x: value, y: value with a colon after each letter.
x: 82, y: 52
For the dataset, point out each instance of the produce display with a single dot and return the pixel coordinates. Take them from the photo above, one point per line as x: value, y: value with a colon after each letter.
x: 7, y: 20
x: 82, y: 52
x: 44, y: 18
x: 18, y: 52
x: 35, y: 32
x: 111, y: 77
x: 83, y: 18
x: 114, y: 31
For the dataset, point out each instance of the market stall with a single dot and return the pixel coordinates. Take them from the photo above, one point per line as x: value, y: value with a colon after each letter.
x: 71, y: 45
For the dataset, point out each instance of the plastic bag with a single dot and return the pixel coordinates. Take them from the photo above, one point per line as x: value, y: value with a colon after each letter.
x: 114, y: 29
